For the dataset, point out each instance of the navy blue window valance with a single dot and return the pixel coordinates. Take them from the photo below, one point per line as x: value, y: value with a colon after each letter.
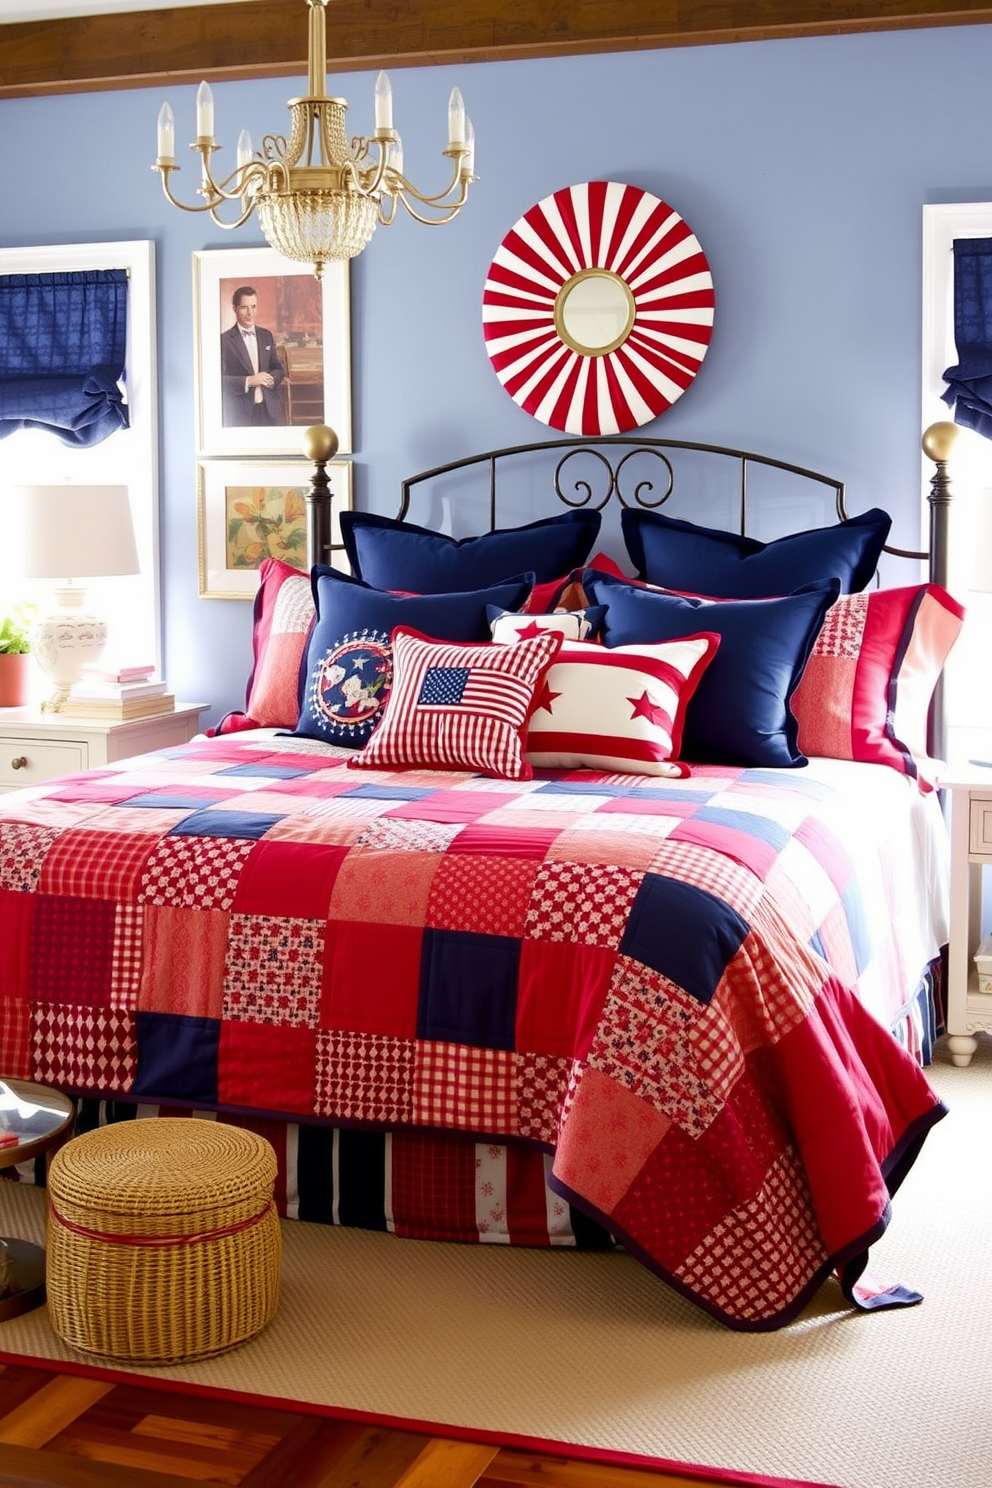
x: 969, y: 381
x: 63, y: 343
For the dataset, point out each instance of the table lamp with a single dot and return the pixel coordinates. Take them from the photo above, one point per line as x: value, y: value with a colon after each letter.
x: 70, y: 533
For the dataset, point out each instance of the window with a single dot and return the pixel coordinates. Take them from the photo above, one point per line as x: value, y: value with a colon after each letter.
x: 128, y: 457
x: 967, y: 698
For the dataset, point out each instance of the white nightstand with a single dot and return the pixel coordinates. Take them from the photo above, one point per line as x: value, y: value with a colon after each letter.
x: 969, y: 790
x: 35, y: 746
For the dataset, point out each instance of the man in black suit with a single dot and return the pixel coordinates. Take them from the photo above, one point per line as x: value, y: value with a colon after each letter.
x: 250, y: 369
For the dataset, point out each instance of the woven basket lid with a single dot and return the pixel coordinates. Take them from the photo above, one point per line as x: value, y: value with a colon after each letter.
x: 166, y: 1166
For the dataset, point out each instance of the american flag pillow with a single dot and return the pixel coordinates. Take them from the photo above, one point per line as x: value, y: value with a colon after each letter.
x: 459, y: 705
x: 619, y: 708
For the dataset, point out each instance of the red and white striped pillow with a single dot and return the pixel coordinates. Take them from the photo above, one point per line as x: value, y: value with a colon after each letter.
x: 459, y: 705
x: 620, y: 708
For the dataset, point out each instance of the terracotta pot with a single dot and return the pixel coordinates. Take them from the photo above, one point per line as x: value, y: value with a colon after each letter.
x: 14, y: 673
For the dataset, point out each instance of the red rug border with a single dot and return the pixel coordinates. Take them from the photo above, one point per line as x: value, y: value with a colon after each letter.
x: 509, y: 1439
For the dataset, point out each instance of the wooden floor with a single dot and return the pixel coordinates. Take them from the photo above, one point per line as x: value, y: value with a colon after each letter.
x: 62, y: 1431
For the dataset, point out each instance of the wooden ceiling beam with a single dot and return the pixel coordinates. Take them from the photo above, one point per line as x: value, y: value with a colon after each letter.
x: 268, y: 38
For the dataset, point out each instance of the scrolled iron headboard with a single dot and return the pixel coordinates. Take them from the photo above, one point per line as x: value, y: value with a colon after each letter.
x: 613, y: 456
x: 611, y: 460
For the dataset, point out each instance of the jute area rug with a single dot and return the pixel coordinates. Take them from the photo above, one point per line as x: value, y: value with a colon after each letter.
x: 592, y: 1351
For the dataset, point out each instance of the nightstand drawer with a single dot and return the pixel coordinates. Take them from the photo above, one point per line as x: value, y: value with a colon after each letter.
x: 30, y: 761
x: 980, y: 835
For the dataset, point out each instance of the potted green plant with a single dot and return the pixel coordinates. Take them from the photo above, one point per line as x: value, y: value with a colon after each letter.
x: 15, y: 647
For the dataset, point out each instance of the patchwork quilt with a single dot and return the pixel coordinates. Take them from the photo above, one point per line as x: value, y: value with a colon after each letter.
x: 665, y: 984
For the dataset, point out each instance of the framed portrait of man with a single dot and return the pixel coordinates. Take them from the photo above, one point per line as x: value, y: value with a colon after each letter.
x: 273, y: 352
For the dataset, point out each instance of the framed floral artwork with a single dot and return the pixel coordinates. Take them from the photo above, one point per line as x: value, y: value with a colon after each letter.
x: 248, y: 510
x: 272, y: 352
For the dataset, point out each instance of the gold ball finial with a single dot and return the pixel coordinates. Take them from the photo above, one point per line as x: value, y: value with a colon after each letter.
x: 320, y: 442
x: 939, y: 440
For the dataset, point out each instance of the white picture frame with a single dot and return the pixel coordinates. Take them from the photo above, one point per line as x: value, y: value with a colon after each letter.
x: 310, y: 324
x: 249, y: 510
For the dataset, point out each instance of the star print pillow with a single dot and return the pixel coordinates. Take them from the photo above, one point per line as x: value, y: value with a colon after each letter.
x: 508, y: 626
x: 619, y: 708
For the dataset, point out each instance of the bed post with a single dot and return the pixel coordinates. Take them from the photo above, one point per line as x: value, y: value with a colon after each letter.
x: 938, y: 443
x: 320, y: 444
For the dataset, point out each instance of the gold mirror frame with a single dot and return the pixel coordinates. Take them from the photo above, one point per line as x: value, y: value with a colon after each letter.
x: 615, y: 231
x: 587, y: 277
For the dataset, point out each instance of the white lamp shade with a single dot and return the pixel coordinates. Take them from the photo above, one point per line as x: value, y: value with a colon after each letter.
x: 73, y: 532
x: 70, y: 533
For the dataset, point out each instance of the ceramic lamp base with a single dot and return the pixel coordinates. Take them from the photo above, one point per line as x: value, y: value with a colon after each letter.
x: 64, y: 643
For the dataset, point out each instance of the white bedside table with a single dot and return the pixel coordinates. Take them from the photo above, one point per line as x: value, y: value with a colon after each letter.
x: 969, y: 789
x: 35, y: 746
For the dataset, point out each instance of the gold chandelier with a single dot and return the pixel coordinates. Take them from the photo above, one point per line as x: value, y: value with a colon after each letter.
x: 318, y: 197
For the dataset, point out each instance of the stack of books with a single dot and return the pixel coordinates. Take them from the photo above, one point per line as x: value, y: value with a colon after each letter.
x: 119, y: 693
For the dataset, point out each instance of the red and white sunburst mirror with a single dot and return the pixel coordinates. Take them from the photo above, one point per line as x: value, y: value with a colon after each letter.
x: 598, y: 308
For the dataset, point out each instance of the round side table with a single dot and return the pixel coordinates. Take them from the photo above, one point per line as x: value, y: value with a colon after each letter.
x: 37, y: 1118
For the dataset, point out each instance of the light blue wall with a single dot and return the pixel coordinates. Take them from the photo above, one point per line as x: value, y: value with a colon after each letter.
x: 802, y: 166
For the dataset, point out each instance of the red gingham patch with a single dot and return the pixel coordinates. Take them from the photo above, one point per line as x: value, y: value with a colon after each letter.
x: 718, y: 1056
x: 365, y: 1077
x: 194, y: 872
x: 541, y: 1083
x: 83, y: 1048
x: 469, y: 1089
x: 466, y: 894
x: 15, y: 1025
x: 706, y: 869
x: 273, y: 970
x: 758, y: 998
x: 106, y: 865
x: 585, y: 903
x: 125, y: 976
x: 23, y: 850
x: 778, y: 1225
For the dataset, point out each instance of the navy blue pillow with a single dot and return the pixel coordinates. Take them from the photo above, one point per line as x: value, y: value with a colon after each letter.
x: 739, y: 713
x: 724, y: 565
x: 399, y: 555
x: 348, y: 661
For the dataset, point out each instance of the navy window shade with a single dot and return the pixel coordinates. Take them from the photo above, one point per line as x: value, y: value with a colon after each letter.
x: 969, y: 382
x: 63, y: 343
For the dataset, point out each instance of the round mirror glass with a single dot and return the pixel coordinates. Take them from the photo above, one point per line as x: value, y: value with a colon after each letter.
x: 594, y: 312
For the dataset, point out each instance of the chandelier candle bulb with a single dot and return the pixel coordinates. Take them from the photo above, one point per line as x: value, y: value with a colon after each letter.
x: 204, y: 112
x: 456, y: 119
x: 245, y: 151
x: 383, y: 104
x: 166, y: 134
x: 468, y: 160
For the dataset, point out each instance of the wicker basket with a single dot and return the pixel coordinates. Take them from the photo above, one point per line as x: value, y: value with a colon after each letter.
x: 163, y: 1239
